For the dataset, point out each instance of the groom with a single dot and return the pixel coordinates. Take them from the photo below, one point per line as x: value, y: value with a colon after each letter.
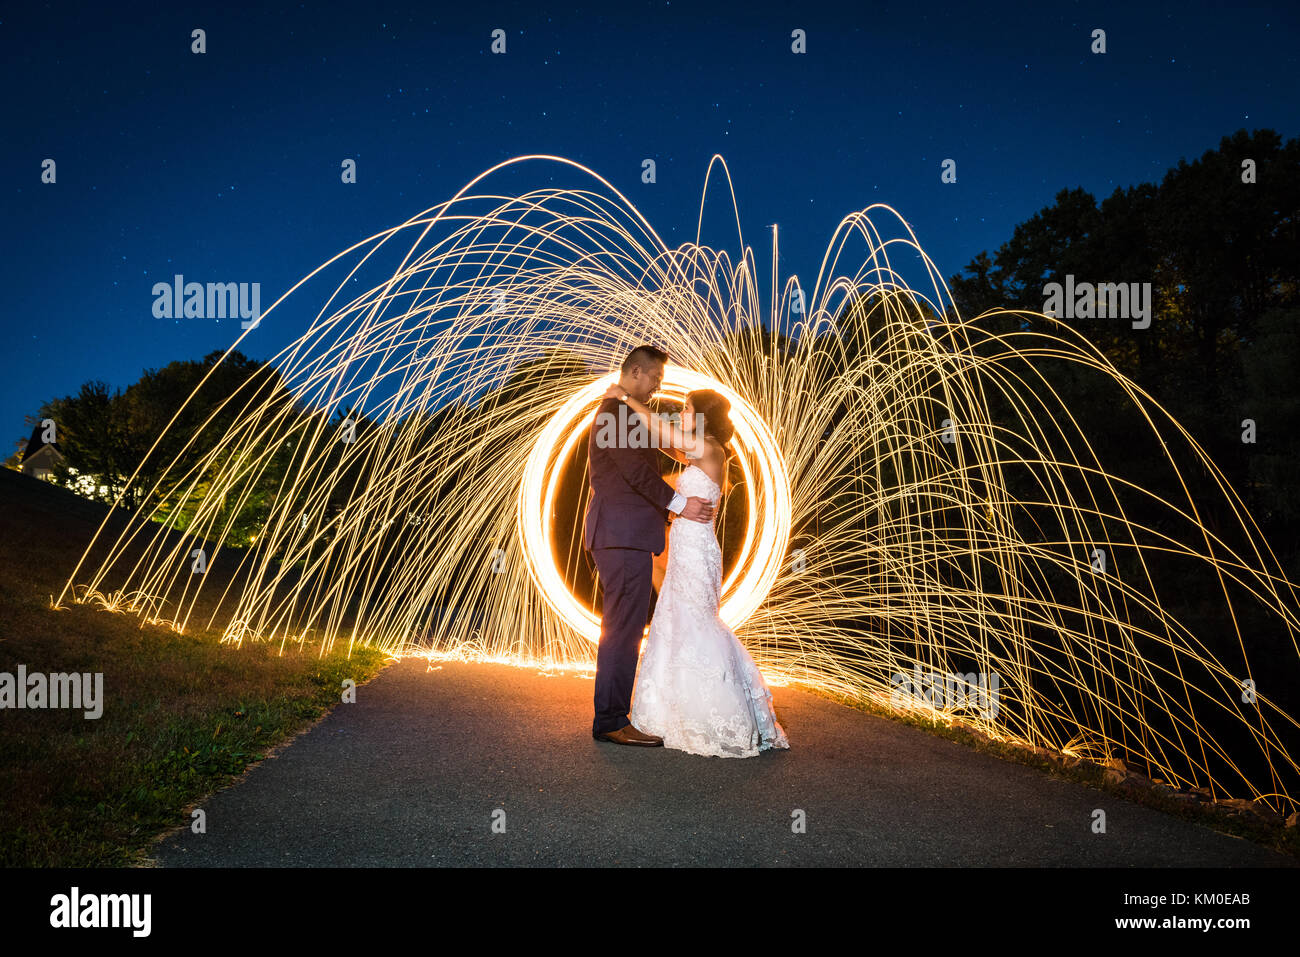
x: 623, y: 526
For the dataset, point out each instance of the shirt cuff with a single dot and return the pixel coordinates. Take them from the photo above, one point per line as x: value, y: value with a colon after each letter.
x: 677, y: 504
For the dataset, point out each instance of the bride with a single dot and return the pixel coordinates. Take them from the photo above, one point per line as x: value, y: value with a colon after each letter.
x: 697, y: 687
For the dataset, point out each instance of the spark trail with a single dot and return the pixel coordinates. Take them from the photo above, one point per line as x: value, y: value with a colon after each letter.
x: 915, y: 496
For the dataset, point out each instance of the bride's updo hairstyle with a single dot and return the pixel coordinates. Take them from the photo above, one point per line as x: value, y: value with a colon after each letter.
x: 716, y: 410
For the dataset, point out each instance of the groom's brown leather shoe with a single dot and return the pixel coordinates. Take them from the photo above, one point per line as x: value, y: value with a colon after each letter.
x: 630, y: 735
x: 642, y: 735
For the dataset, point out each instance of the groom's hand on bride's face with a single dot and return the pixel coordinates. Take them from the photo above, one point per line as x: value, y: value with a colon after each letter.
x: 698, y: 509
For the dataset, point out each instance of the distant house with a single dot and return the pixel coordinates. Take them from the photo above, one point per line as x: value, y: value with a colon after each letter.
x: 40, y: 457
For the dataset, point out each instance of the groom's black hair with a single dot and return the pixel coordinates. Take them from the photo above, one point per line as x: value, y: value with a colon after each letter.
x: 643, y: 356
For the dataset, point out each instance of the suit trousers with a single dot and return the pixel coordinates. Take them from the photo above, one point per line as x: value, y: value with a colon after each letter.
x: 625, y: 581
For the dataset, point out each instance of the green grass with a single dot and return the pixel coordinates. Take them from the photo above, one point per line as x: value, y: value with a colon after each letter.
x: 183, y: 715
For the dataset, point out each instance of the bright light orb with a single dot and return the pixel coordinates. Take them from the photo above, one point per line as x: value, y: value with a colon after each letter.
x: 767, y: 532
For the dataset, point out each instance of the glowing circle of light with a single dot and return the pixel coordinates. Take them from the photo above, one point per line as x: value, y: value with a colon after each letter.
x: 767, y: 531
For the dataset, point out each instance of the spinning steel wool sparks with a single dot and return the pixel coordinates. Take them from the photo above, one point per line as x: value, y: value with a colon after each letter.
x: 912, y: 495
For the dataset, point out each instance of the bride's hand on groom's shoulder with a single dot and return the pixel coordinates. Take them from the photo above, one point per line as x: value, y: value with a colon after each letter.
x: 615, y: 391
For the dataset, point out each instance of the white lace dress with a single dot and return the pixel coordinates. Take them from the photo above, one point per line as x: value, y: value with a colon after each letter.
x: 697, y: 687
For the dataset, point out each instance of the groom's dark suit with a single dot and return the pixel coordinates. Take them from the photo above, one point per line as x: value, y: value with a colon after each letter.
x: 623, y: 526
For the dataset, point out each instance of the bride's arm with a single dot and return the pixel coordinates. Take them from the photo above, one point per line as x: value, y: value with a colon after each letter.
x: 663, y: 431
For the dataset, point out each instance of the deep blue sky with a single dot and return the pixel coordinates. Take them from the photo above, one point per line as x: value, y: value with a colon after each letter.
x: 225, y: 166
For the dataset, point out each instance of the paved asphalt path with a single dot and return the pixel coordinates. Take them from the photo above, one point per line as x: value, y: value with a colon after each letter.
x: 411, y: 775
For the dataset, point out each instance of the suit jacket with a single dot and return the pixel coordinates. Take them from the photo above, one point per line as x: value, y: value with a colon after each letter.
x: 628, y: 507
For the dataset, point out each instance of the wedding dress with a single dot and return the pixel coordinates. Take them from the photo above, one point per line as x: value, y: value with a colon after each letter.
x: 697, y: 687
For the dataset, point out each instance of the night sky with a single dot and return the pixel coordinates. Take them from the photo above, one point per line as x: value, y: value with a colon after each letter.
x: 226, y: 166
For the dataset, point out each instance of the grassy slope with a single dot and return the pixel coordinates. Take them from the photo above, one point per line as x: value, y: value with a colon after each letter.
x: 183, y: 715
